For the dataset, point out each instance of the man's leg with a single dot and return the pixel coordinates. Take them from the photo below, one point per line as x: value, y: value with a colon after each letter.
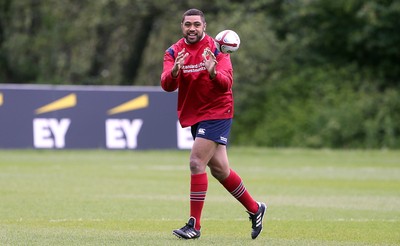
x: 202, y: 151
x: 219, y: 166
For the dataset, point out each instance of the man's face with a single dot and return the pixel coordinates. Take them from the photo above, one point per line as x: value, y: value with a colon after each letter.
x: 193, y: 28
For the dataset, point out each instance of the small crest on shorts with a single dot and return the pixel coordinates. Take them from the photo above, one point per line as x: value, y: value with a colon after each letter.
x: 223, y: 139
x: 202, y: 131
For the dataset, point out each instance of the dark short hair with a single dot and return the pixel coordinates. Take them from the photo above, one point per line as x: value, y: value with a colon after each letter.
x: 191, y: 12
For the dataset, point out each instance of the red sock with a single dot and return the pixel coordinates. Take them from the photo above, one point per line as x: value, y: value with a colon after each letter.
x: 198, y: 190
x: 234, y: 184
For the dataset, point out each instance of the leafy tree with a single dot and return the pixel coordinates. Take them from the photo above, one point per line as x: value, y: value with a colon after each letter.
x: 342, y: 32
x: 336, y: 57
x: 308, y: 74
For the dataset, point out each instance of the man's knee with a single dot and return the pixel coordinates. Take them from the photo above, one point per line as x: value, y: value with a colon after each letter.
x: 196, y: 165
x: 220, y: 172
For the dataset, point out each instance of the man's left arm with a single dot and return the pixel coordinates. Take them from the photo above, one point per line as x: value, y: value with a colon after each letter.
x: 224, y: 72
x: 220, y: 69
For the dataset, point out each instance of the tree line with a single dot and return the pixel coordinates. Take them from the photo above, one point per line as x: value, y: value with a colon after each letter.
x: 321, y: 74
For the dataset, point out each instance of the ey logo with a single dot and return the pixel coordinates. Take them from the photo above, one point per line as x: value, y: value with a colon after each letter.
x: 123, y: 133
x: 50, y: 132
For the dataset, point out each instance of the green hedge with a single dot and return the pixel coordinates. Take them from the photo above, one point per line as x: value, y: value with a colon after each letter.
x: 324, y: 107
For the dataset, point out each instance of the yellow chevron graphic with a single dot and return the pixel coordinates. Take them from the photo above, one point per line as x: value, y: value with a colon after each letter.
x: 62, y: 103
x: 136, y: 103
x: 1, y: 99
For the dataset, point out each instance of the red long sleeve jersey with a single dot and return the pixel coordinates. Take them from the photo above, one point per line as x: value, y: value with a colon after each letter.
x: 199, y: 97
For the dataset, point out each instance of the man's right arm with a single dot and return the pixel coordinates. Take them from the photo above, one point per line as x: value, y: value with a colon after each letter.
x: 168, y: 82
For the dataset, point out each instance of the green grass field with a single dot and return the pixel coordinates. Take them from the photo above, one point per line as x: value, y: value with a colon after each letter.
x: 315, y: 197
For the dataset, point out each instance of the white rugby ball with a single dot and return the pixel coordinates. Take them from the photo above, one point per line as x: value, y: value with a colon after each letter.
x: 227, y: 41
